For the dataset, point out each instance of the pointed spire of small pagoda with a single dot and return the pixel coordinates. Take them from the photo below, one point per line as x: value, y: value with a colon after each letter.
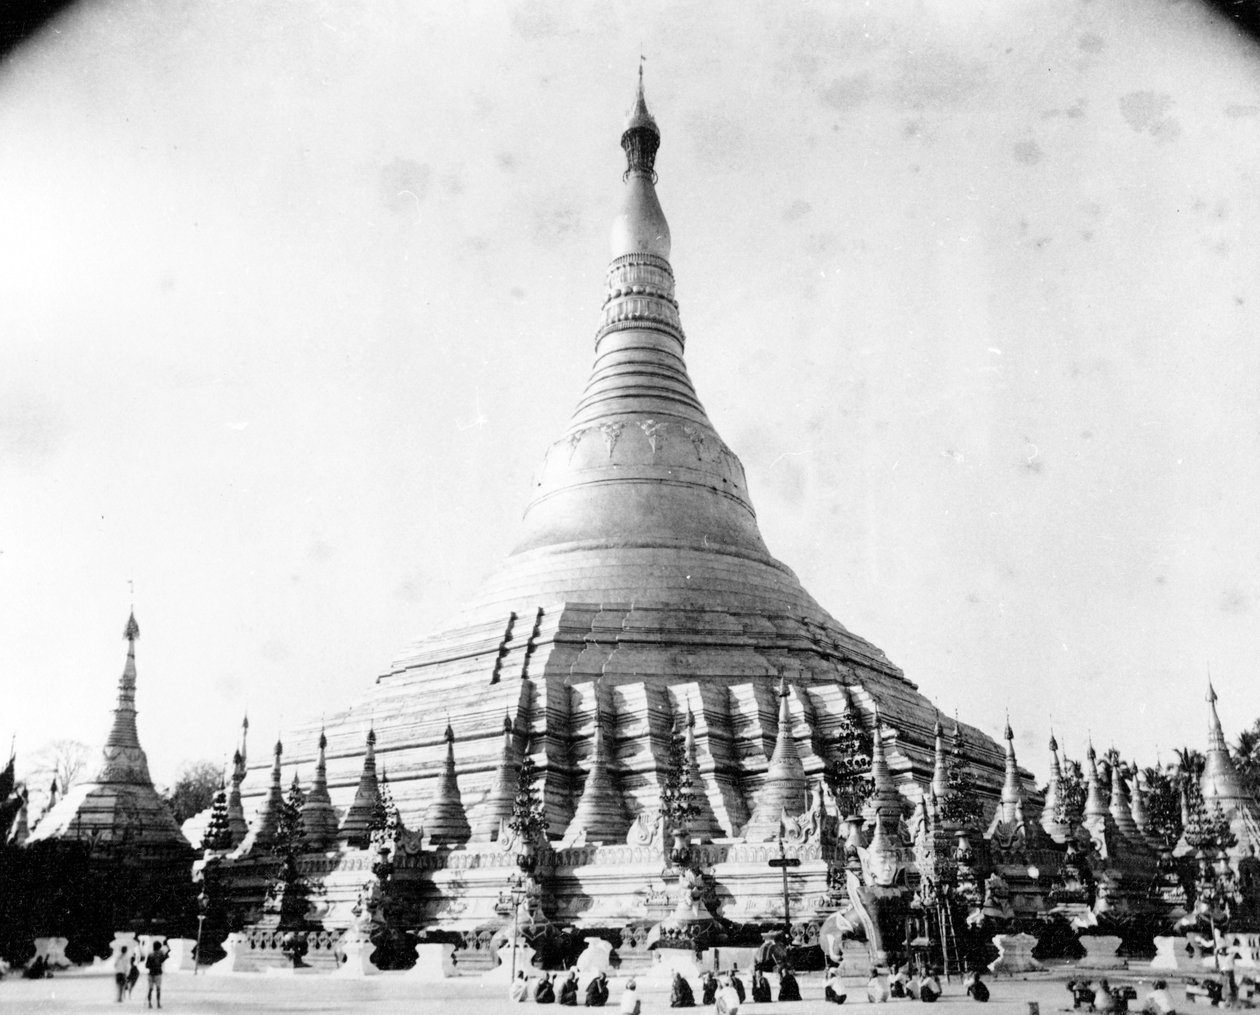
x: 1095, y: 804
x: 496, y: 808
x: 237, y: 824
x: 262, y: 833
x: 319, y: 817
x: 784, y: 789
x: 1119, y: 805
x: 885, y: 800
x: 1051, y: 823
x: 1138, y: 807
x: 1012, y: 788
x: 356, y: 825
x: 1219, y: 783
x: 444, y: 818
x: 600, y: 815
x: 124, y: 760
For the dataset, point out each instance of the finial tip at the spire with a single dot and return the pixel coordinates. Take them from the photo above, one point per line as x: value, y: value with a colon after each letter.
x: 132, y: 631
x: 449, y: 735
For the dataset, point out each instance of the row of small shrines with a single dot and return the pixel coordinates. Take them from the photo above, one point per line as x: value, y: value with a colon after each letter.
x: 1097, y: 861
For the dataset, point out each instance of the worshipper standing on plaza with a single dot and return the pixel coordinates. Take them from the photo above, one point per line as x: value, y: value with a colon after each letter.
x: 789, y: 989
x: 929, y: 987
x: 544, y: 992
x: 833, y: 987
x: 597, y: 991
x: 976, y: 987
x: 630, y: 1004
x: 133, y: 975
x: 728, y: 999
x: 680, y: 995
x: 1159, y: 1001
x: 877, y: 991
x: 122, y: 966
x: 520, y: 987
x: 153, y: 964
x: 568, y: 990
x: 1225, y: 963
x: 708, y: 987
x: 760, y: 987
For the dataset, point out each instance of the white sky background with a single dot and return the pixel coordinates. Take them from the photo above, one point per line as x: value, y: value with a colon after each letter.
x: 293, y: 298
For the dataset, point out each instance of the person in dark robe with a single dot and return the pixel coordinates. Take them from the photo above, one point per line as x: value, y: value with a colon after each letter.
x: 760, y: 987
x: 568, y: 990
x: 597, y: 991
x: 833, y: 987
x: 789, y: 989
x: 929, y: 987
x: 738, y: 984
x: 708, y: 987
x: 681, y: 996
x: 544, y: 992
x: 976, y: 987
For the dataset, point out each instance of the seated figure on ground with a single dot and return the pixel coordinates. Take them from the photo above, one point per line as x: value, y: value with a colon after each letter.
x: 567, y: 995
x: 789, y: 989
x: 597, y: 991
x: 833, y: 987
x: 760, y: 987
x: 976, y: 987
x: 544, y: 992
x: 929, y: 987
x: 708, y: 987
x: 877, y: 991
x: 519, y: 990
x: 1159, y: 1001
x: 727, y: 999
x: 680, y: 994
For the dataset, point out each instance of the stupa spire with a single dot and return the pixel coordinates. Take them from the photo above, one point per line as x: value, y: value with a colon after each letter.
x: 885, y: 801
x: 1054, y: 827
x: 1012, y: 789
x: 262, y: 832
x: 783, y: 791
x: 488, y: 818
x: 319, y: 818
x: 1119, y: 805
x: 123, y: 759
x: 444, y: 819
x: 356, y: 824
x: 237, y: 825
x: 600, y: 815
x: 1095, y: 805
x: 1219, y: 783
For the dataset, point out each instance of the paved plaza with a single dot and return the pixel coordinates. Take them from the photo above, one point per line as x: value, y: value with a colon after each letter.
x: 399, y: 993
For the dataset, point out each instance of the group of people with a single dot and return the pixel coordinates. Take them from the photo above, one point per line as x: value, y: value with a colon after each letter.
x: 1115, y: 1000
x: 560, y: 989
x: 127, y: 972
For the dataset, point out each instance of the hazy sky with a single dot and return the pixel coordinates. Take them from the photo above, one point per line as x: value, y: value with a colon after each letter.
x: 296, y: 295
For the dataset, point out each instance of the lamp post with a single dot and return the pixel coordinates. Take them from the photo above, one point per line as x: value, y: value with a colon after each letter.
x: 518, y: 896
x: 203, y: 903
